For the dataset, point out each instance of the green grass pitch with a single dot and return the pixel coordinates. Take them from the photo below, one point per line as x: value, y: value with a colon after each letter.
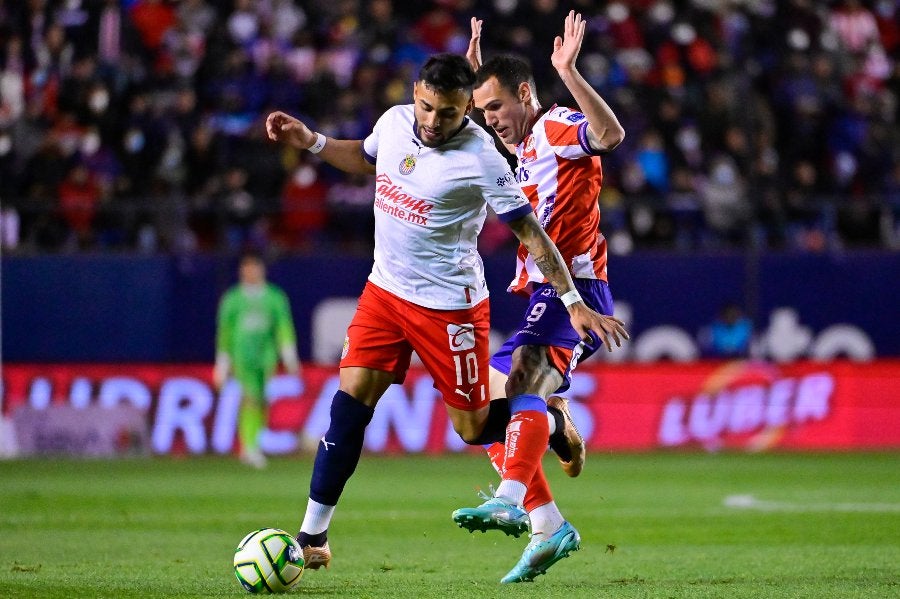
x: 655, y: 525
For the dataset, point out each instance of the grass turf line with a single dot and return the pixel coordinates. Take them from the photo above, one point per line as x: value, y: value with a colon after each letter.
x: 652, y: 525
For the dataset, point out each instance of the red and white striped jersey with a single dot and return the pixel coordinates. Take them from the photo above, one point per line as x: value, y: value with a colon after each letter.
x: 561, y: 176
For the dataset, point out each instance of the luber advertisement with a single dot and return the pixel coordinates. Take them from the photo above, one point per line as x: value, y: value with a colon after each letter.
x: 749, y: 406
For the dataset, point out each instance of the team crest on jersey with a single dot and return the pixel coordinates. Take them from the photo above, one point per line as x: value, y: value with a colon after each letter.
x: 529, y: 154
x: 408, y: 164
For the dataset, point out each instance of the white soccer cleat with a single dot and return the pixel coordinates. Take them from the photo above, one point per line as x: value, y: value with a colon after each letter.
x: 254, y: 458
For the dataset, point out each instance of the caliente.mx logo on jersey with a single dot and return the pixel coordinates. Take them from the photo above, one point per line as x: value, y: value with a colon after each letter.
x: 393, y: 200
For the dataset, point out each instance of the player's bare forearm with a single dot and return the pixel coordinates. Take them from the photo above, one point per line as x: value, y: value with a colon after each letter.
x: 608, y: 329
x: 604, y: 130
x: 344, y: 154
x: 544, y: 253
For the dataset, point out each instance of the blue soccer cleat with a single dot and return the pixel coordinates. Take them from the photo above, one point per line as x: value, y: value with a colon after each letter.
x: 540, y: 555
x: 493, y: 514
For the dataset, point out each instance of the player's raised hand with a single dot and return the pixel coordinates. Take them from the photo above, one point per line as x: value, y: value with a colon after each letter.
x: 585, y: 321
x: 473, y: 54
x: 285, y: 128
x: 567, y: 47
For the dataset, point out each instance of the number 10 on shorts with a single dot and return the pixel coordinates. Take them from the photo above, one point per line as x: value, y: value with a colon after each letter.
x: 466, y: 368
x: 461, y: 338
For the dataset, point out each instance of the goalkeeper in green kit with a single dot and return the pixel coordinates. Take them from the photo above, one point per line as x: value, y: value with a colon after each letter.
x: 254, y: 328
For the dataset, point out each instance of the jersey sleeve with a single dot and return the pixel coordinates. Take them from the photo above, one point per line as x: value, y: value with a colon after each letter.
x: 284, y: 326
x: 499, y: 187
x: 225, y: 325
x: 285, y: 335
x: 370, y: 143
x: 566, y: 132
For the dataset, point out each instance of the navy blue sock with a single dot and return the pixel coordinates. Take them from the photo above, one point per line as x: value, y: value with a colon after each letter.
x: 307, y: 540
x: 339, y: 449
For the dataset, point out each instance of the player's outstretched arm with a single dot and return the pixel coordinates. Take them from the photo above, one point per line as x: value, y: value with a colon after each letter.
x: 224, y: 341
x: 548, y: 259
x: 604, y: 131
x: 345, y: 154
x: 473, y: 54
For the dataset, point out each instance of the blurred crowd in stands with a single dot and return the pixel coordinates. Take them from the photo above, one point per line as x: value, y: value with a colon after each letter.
x: 138, y: 124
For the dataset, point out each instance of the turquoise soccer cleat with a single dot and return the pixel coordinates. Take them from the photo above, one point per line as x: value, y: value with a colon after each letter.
x: 493, y: 514
x: 540, y: 555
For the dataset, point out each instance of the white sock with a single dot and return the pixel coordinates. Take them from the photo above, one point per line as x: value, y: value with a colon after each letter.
x: 317, y: 518
x: 552, y: 422
x: 545, y: 519
x: 512, y: 491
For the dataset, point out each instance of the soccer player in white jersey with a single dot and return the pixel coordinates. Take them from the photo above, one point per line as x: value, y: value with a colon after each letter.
x: 559, y: 170
x: 436, y: 171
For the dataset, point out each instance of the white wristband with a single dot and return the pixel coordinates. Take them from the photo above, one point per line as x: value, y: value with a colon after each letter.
x: 571, y: 297
x: 320, y: 143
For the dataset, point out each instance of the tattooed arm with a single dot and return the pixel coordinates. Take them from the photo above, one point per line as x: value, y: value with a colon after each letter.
x: 548, y: 259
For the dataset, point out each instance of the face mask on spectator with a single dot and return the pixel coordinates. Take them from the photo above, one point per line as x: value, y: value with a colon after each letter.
x: 688, y: 139
x: 134, y: 141
x: 304, y: 176
x: 99, y: 101
x: 723, y: 174
x: 90, y: 143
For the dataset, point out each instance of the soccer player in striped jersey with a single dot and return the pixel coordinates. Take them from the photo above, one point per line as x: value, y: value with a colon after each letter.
x: 436, y: 172
x: 558, y: 151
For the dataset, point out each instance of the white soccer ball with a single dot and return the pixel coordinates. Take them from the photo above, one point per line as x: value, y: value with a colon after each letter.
x: 268, y: 560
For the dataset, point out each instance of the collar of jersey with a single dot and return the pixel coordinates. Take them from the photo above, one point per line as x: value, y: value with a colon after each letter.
x: 540, y: 115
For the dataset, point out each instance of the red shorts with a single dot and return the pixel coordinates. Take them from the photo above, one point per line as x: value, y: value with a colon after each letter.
x: 452, y: 344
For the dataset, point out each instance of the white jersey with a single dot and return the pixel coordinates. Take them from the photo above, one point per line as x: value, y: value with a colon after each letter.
x: 430, y: 205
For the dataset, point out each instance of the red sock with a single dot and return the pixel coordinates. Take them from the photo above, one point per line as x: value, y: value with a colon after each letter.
x: 538, y: 492
x: 526, y: 442
x: 497, y: 451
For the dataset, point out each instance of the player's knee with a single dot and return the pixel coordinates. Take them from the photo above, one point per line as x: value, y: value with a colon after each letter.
x: 528, y: 367
x: 469, y: 435
x: 532, y: 380
x: 469, y: 431
x: 523, y: 378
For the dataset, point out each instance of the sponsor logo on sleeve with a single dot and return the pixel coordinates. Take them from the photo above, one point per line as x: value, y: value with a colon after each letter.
x: 506, y: 180
x: 575, y: 117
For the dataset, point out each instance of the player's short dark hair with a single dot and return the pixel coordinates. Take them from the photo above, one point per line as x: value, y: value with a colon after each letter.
x: 447, y: 72
x: 509, y: 70
x: 252, y: 254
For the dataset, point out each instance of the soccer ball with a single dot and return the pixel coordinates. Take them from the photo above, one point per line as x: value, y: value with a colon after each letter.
x: 268, y: 560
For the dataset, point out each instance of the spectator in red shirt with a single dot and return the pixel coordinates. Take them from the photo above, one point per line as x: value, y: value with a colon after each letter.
x: 79, y: 195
